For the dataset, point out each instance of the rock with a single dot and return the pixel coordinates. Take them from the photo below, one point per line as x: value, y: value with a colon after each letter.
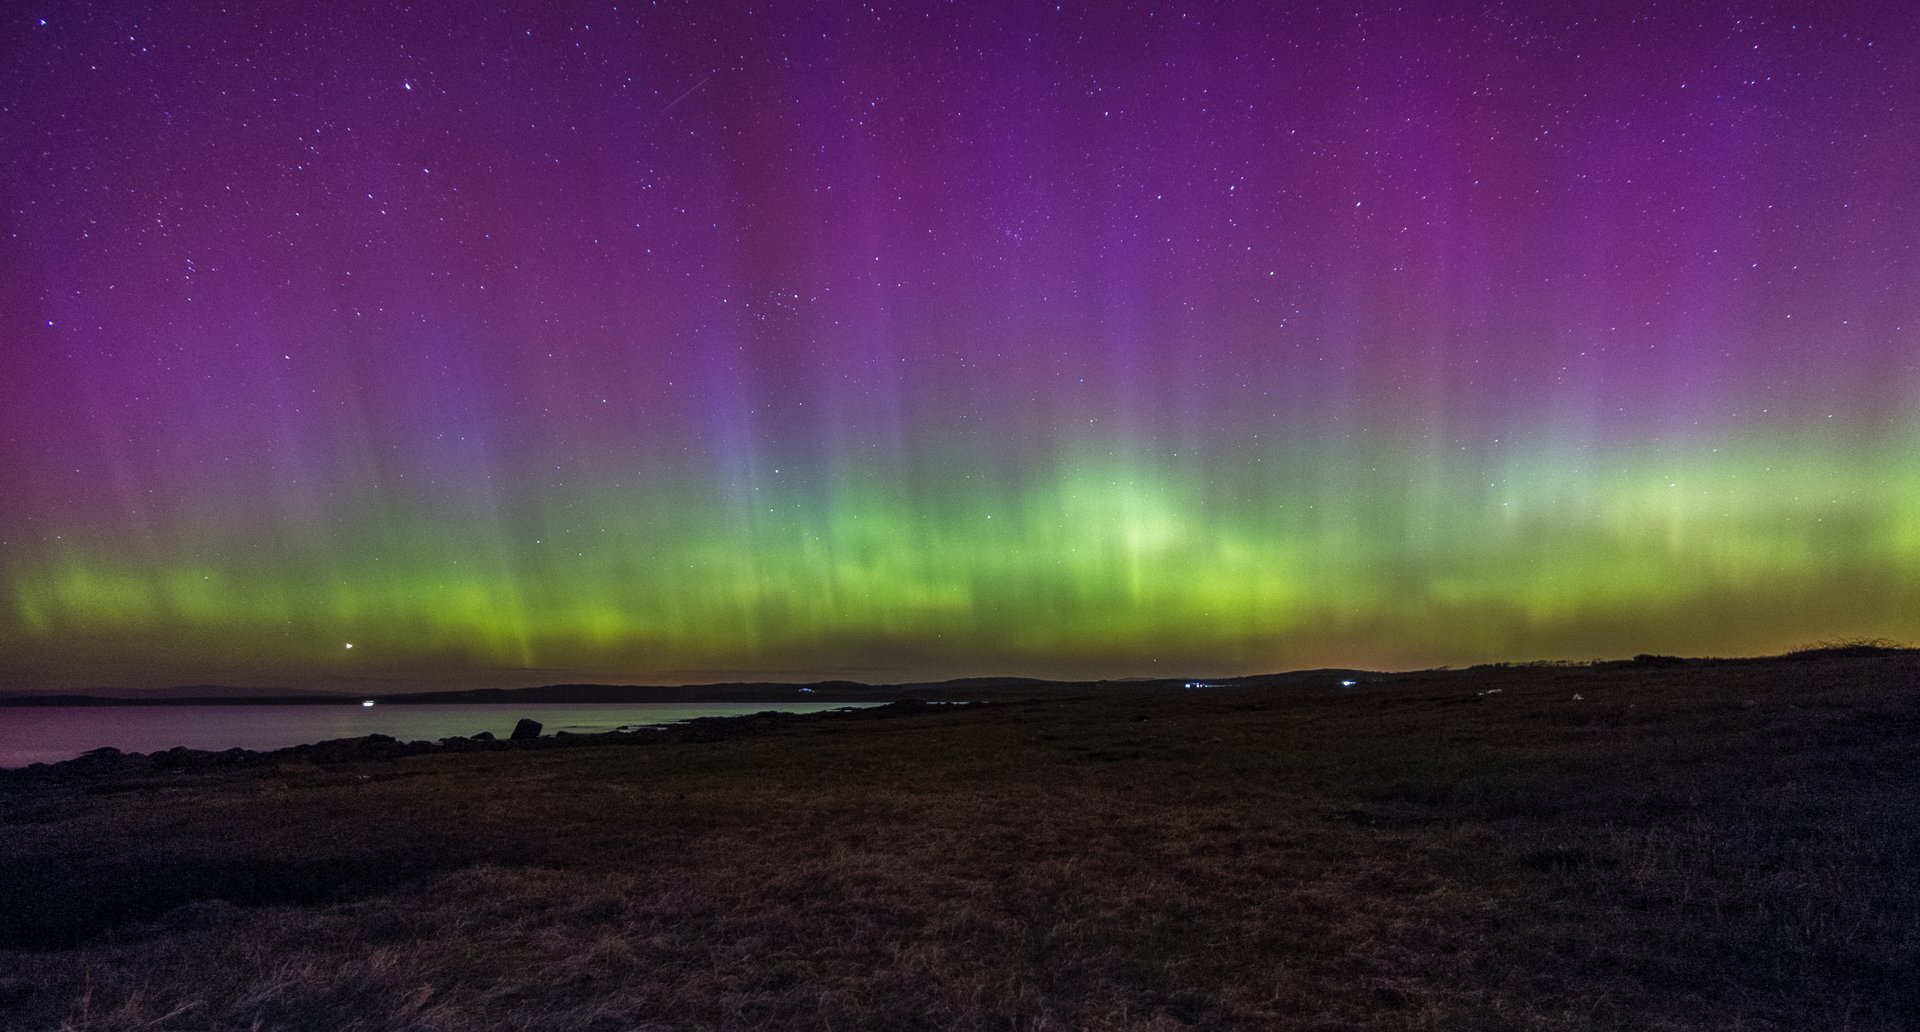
x: 524, y: 730
x: 484, y: 736
x: 104, y: 758
x: 108, y: 760
x: 182, y: 758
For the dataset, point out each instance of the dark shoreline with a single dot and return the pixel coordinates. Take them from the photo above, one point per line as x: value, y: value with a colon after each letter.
x: 958, y: 689
x: 112, y: 762
x: 951, y: 690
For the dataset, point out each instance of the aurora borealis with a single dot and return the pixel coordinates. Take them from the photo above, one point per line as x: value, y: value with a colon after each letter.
x: 691, y: 341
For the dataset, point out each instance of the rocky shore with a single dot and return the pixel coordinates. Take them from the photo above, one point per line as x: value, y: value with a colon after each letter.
x: 111, y: 762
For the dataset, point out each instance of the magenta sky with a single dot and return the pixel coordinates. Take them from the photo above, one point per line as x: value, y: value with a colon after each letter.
x: 682, y: 341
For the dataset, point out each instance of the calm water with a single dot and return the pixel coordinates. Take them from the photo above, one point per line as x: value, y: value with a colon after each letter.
x: 32, y: 734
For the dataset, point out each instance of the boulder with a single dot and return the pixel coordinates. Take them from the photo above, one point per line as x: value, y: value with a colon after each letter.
x: 108, y: 759
x: 105, y: 758
x: 524, y: 730
x: 182, y: 758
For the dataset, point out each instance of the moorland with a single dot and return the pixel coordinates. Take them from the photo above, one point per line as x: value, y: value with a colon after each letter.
x: 1644, y: 845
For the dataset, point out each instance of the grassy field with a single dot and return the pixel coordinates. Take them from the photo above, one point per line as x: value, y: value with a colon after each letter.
x: 1706, y: 846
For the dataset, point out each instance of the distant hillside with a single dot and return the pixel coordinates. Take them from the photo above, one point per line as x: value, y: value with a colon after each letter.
x: 956, y: 689
x: 606, y: 694
x: 953, y: 689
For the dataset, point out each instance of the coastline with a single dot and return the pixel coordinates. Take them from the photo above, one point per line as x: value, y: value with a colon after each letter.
x: 108, y: 761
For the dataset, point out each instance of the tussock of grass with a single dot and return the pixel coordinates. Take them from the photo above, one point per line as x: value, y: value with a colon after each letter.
x: 1704, y: 846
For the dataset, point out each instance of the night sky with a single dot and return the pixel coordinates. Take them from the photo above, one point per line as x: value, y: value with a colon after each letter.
x: 693, y: 341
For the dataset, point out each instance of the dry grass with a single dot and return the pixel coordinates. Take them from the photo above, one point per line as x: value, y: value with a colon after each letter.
x: 1696, y: 847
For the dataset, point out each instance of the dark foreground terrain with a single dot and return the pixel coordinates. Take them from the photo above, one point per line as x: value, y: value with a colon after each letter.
x: 1700, y: 846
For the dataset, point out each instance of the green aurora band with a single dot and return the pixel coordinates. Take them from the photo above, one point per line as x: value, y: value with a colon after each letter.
x: 1102, y: 566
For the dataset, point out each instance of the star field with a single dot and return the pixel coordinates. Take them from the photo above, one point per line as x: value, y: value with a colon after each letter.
x: 685, y: 341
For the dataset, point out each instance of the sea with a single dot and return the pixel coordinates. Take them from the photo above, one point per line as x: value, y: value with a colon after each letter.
x: 49, y: 734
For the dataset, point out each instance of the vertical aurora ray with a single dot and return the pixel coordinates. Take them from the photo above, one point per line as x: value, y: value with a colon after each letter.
x: 580, y: 343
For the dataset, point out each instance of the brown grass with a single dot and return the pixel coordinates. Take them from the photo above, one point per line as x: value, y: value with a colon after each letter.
x: 1726, y: 846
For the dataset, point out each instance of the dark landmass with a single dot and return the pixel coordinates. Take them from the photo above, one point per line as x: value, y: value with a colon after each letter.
x: 111, y: 761
x: 958, y: 689
x: 1649, y: 844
